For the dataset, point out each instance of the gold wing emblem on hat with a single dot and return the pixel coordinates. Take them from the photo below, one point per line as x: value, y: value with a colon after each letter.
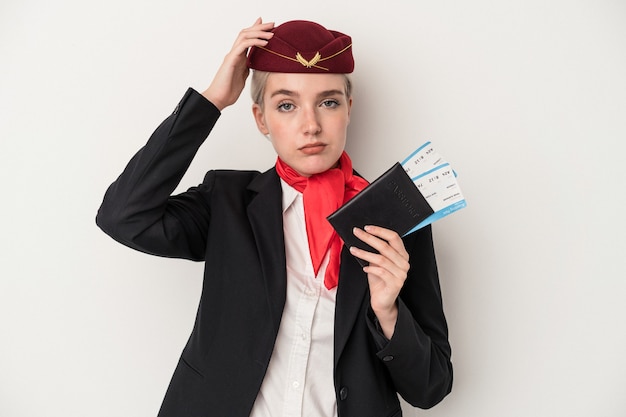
x: 310, y: 63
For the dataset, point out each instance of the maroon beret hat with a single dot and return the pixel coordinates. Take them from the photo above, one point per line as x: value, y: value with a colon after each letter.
x: 303, y: 47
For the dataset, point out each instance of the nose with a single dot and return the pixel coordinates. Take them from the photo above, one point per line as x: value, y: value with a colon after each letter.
x: 311, y: 124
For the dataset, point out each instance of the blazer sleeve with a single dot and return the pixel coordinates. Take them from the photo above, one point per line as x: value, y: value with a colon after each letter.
x: 137, y: 209
x: 418, y: 355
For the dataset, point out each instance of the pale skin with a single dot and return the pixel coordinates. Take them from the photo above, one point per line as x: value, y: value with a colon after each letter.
x: 306, y: 118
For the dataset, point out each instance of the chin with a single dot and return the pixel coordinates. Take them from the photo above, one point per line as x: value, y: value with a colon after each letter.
x: 317, y: 168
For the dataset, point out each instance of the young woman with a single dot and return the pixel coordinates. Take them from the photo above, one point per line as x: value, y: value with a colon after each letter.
x: 289, y: 323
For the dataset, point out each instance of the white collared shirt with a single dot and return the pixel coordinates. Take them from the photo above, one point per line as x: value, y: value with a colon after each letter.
x: 299, y: 378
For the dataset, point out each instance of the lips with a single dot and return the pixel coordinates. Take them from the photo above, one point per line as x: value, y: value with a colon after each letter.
x: 313, y: 148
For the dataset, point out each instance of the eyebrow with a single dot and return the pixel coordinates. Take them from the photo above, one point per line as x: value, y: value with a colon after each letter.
x: 327, y: 93
x: 284, y: 93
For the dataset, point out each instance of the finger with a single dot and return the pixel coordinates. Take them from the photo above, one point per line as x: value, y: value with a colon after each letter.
x: 259, y: 22
x: 392, y: 249
x: 259, y: 29
x: 258, y: 32
x: 381, y: 265
x: 390, y: 237
x: 248, y: 39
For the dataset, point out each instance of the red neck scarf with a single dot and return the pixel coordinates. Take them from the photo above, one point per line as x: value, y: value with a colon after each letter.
x: 323, y: 194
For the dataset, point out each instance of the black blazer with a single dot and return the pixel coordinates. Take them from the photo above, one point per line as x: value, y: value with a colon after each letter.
x: 233, y: 222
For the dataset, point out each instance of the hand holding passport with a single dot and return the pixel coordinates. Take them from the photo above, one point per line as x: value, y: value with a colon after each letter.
x: 410, y: 195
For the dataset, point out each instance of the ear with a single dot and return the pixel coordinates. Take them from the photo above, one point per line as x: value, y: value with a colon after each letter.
x: 349, y: 108
x: 259, y: 118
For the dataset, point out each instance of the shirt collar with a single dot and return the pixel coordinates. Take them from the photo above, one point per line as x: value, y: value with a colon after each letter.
x: 290, y: 194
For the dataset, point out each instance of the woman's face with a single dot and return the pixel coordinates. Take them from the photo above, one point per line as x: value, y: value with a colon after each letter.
x: 306, y: 117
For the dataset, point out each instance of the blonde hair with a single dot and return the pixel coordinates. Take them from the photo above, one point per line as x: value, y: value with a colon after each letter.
x: 259, y: 79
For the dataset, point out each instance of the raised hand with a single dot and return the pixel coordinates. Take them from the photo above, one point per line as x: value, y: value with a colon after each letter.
x: 231, y: 77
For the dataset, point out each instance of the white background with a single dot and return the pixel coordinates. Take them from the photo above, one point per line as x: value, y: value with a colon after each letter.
x: 527, y: 100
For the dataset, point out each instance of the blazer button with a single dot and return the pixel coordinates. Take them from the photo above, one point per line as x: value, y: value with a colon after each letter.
x: 388, y: 358
x: 343, y: 393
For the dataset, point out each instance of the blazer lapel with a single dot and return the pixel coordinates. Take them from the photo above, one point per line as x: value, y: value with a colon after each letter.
x: 266, y: 219
x: 350, y: 292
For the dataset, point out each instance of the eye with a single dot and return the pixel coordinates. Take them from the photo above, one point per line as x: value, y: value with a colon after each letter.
x: 285, y: 107
x: 330, y: 104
